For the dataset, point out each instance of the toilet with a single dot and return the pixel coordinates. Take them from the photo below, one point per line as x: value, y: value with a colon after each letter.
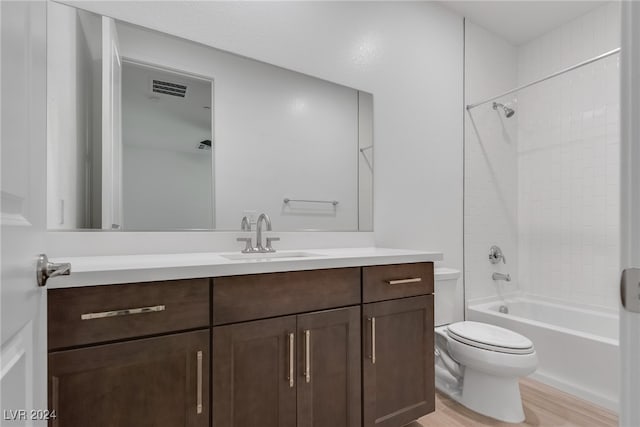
x: 478, y: 364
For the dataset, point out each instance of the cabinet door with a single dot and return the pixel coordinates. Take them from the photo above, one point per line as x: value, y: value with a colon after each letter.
x: 153, y: 382
x: 329, y: 368
x: 398, y: 365
x: 254, y: 381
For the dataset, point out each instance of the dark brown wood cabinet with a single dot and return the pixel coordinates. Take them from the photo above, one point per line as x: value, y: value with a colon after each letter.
x: 398, y: 365
x: 288, y: 371
x: 329, y: 368
x: 385, y: 282
x: 260, y: 296
x: 344, y: 347
x: 254, y: 380
x: 152, y: 382
x: 96, y: 314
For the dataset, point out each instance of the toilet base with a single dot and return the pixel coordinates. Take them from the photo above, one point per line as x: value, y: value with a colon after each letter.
x: 493, y: 396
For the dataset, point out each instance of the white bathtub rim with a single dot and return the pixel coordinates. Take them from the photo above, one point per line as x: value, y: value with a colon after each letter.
x: 487, y: 309
x: 519, y: 295
x: 575, y: 390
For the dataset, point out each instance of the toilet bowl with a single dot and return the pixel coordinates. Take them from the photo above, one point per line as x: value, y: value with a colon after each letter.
x: 479, y: 366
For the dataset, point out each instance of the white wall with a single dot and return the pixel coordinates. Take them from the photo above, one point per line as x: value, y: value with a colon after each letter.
x: 166, y: 189
x: 491, y: 174
x: 568, y: 162
x: 407, y: 54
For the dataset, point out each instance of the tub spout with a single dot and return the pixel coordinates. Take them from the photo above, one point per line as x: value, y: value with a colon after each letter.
x: 500, y: 276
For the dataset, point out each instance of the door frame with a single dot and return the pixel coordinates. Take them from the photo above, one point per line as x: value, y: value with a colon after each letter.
x: 630, y: 207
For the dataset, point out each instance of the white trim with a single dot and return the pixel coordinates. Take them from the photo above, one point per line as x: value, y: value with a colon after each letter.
x: 582, y: 393
x: 17, y: 348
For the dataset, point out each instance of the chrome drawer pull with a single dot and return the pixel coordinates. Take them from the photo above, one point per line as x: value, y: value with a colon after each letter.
x: 115, y: 313
x: 199, y: 384
x: 403, y: 281
x: 373, y: 340
x: 291, y: 359
x: 307, y: 356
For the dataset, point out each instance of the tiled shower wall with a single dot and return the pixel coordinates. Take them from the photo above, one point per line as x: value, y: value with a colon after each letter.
x: 568, y: 163
x: 491, y: 175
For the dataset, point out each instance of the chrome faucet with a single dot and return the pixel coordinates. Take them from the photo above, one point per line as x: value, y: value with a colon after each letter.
x: 496, y: 255
x: 245, y: 225
x: 264, y: 218
x: 500, y: 276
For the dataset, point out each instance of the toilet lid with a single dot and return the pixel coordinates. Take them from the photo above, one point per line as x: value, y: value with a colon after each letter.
x: 490, y: 337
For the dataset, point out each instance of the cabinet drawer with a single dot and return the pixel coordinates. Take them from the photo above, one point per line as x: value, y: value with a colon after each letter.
x: 258, y: 296
x: 81, y: 316
x: 384, y: 282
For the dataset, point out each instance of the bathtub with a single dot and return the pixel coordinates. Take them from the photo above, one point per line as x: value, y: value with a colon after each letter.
x: 577, y: 347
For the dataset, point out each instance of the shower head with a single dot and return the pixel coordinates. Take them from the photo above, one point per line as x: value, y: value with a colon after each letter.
x: 508, y: 112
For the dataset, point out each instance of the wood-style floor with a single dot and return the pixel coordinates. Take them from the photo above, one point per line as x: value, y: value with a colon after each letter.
x: 543, y: 406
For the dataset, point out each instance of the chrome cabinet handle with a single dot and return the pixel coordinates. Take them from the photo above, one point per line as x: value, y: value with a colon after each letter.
x: 307, y: 356
x: 199, y: 384
x: 373, y: 340
x: 291, y: 361
x: 126, y: 312
x: 403, y: 281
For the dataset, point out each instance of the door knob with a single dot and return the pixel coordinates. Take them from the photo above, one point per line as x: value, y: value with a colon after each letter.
x: 46, y: 269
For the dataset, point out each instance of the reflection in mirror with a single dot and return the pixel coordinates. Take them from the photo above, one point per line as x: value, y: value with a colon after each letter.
x: 152, y: 132
x: 166, y: 149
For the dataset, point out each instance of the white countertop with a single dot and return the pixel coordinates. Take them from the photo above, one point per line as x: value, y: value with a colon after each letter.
x: 104, y: 270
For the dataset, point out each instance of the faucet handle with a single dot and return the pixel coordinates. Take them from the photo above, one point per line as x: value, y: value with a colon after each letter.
x: 269, y: 240
x: 245, y: 224
x: 496, y: 255
x: 248, y: 246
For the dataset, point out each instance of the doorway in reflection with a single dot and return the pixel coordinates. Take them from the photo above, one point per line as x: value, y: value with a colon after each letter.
x: 167, y: 149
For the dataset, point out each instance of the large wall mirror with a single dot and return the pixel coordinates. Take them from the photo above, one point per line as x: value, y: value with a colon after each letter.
x: 148, y: 131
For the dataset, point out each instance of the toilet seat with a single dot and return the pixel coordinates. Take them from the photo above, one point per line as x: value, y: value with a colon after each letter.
x: 490, y: 337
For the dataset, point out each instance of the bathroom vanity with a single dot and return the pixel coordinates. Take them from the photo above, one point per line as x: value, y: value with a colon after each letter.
x: 337, y: 338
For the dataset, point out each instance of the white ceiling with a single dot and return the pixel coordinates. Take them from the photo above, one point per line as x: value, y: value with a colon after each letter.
x: 164, y: 122
x: 521, y: 21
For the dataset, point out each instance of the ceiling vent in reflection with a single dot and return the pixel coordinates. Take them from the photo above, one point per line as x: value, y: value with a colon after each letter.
x: 168, y: 88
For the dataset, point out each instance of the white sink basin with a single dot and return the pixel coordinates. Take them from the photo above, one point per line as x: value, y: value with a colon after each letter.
x: 267, y: 256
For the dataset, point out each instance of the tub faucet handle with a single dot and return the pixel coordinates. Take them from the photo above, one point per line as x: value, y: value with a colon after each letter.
x: 496, y: 255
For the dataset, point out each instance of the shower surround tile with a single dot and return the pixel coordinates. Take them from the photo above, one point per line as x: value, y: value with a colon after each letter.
x: 544, y: 184
x: 568, y: 163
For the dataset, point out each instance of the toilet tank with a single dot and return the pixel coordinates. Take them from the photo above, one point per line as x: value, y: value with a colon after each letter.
x: 446, y: 280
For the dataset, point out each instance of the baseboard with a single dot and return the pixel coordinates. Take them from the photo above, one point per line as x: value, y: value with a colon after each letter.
x: 595, y: 398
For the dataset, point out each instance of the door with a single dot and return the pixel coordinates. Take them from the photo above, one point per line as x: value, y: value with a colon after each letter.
x: 111, y: 127
x: 398, y: 366
x: 329, y: 368
x: 22, y: 210
x: 254, y: 380
x: 153, y: 382
x: 630, y: 218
